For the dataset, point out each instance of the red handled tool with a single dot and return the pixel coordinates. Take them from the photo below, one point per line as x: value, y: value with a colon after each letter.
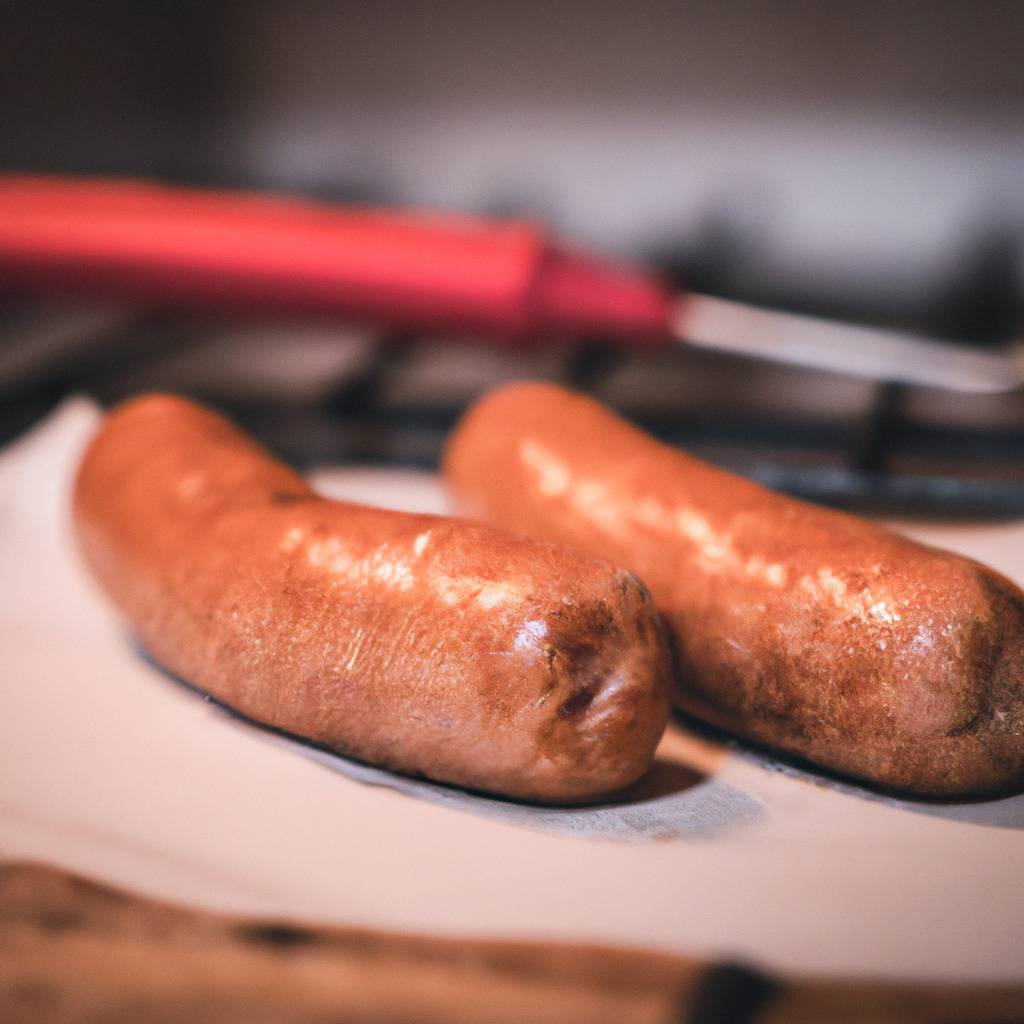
x: 186, y: 248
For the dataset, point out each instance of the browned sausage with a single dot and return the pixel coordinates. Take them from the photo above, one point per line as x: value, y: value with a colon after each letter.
x: 428, y: 645
x: 805, y: 629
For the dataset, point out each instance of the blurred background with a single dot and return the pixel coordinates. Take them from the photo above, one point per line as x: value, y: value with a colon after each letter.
x: 859, y: 160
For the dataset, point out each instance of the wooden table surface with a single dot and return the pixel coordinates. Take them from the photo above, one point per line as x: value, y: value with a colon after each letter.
x: 74, y: 951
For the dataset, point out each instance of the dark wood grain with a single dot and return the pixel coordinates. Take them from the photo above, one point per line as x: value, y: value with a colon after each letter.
x: 72, y: 950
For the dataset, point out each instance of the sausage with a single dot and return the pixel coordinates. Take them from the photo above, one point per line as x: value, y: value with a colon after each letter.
x: 801, y: 628
x: 429, y: 645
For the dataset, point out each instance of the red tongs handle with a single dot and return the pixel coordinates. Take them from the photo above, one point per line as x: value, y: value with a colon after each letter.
x: 184, y: 248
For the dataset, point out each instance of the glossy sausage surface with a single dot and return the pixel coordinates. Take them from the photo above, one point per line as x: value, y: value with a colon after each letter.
x: 429, y: 645
x: 805, y: 629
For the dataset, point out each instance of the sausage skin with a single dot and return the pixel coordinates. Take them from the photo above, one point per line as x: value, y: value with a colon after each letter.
x: 801, y: 628
x: 428, y: 645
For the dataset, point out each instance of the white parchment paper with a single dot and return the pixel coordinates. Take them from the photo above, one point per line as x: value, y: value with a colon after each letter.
x: 110, y: 767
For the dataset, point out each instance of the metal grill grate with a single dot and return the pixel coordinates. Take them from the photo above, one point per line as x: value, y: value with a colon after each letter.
x: 321, y: 394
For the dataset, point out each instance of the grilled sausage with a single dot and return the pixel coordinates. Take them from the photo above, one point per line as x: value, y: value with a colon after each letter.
x: 808, y: 630
x: 429, y: 645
